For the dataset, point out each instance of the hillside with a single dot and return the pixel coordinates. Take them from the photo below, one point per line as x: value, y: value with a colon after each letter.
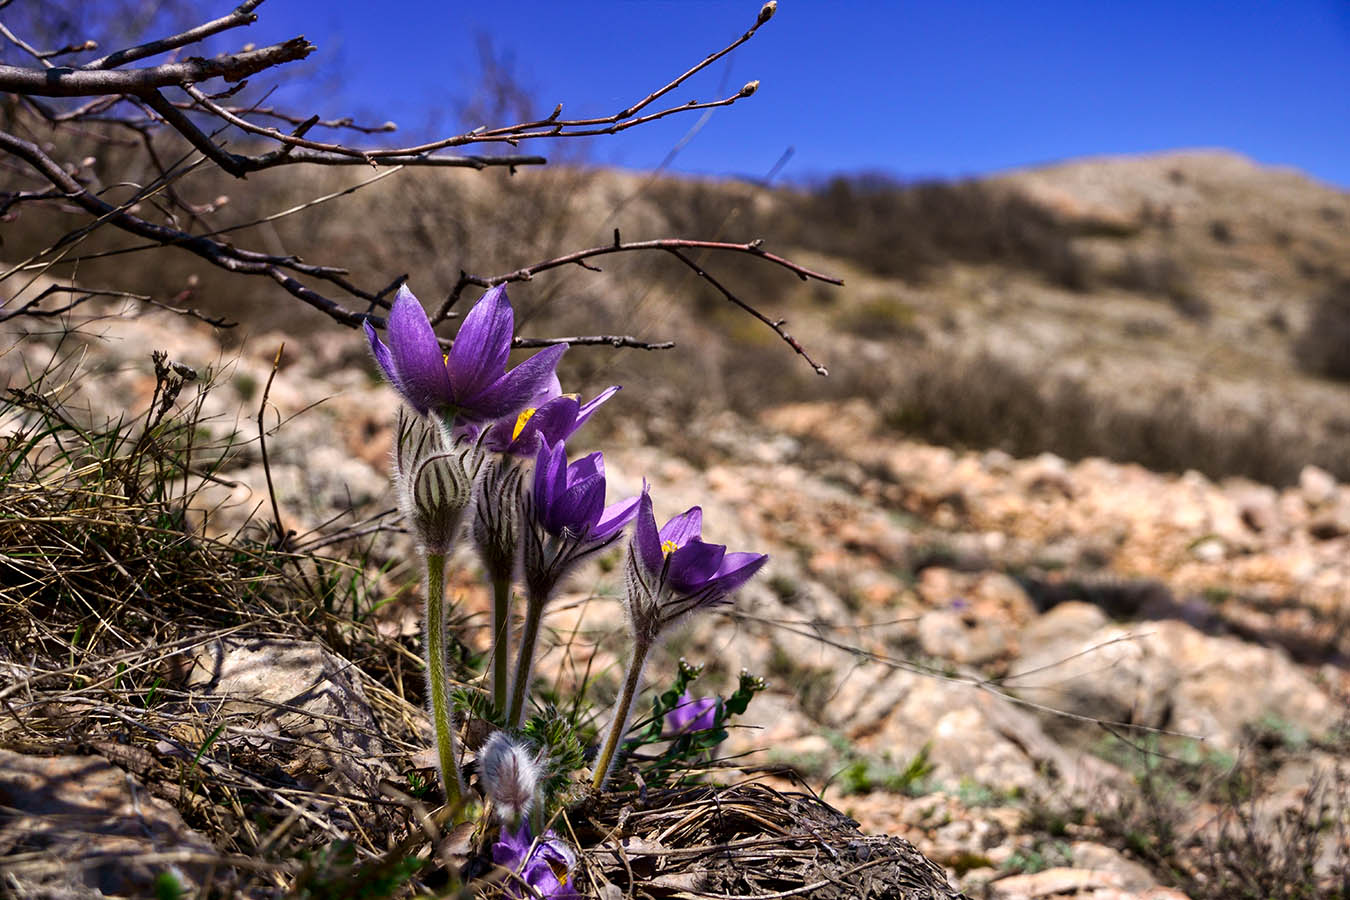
x: 1020, y: 609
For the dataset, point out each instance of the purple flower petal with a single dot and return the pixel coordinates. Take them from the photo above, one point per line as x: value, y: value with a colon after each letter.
x: 512, y: 391
x: 691, y: 715
x: 685, y: 527
x: 483, y: 344
x: 592, y: 405
x: 591, y: 465
x: 547, y: 392
x: 511, y: 848
x: 556, y: 419
x: 736, y: 569
x: 381, y: 352
x: 693, y: 565
x: 550, y: 477
x: 614, y: 518
x: 646, y: 539
x: 415, y: 355
x: 538, y: 867
x: 579, y: 507
x: 553, y: 421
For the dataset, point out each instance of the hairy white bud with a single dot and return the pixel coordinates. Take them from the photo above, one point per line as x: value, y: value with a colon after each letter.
x: 510, y: 775
x: 766, y: 11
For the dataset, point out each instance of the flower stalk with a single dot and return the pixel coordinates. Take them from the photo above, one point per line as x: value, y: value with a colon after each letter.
x: 446, y: 756
x: 623, y: 711
x: 529, y: 639
x: 501, y: 642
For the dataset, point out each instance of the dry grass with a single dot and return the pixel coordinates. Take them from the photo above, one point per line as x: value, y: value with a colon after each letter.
x: 107, y: 591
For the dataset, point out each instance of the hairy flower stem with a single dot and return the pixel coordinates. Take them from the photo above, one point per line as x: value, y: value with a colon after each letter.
x: 529, y: 636
x: 501, y: 640
x: 440, y: 701
x: 623, y: 709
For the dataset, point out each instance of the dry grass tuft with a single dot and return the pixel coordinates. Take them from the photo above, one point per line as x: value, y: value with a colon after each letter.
x: 108, y: 591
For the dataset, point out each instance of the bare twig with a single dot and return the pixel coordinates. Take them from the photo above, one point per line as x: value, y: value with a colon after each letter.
x: 612, y: 340
x: 674, y: 246
x: 775, y: 324
x: 104, y: 85
x: 242, y: 15
x: 283, y: 536
x: 63, y: 81
x: 31, y: 309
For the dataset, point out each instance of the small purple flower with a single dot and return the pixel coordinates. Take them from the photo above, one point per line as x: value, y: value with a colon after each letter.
x: 545, y: 866
x: 673, y: 572
x: 569, y: 499
x: 551, y: 417
x: 691, y: 715
x: 470, y: 382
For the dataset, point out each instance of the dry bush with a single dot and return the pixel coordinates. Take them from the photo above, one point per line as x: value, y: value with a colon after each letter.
x: 1161, y: 275
x: 907, y: 231
x: 1247, y: 849
x: 982, y: 399
x: 1323, y: 347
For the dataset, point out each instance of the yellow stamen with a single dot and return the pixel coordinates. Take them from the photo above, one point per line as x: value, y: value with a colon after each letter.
x: 668, y: 547
x: 525, y: 415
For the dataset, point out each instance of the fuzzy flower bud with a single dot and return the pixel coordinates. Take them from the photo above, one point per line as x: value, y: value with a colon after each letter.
x: 496, y: 522
x: 766, y: 11
x: 510, y: 775
x: 749, y: 89
x: 435, y: 498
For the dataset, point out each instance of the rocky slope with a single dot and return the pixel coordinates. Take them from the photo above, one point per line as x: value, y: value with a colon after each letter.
x: 1029, y: 667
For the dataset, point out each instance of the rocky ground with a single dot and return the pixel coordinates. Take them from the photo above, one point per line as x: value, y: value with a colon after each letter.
x: 1026, y: 667
x: 1057, y: 678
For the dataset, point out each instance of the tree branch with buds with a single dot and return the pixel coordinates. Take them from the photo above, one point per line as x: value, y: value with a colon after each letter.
x: 109, y: 92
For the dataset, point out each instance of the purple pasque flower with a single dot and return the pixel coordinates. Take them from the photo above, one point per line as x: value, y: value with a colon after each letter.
x: 690, y: 715
x: 470, y: 382
x: 673, y: 572
x: 552, y: 417
x: 544, y: 865
x: 569, y: 499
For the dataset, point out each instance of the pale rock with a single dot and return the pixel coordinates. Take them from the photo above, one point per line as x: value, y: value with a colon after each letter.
x: 1134, y: 876
x: 1050, y: 882
x: 85, y: 826
x: 1317, y: 486
x: 300, y: 698
x: 960, y: 637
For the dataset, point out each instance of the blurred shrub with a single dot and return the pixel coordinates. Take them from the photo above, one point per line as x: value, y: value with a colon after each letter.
x: 983, y: 400
x: 1160, y: 275
x: 907, y: 230
x: 1323, y: 348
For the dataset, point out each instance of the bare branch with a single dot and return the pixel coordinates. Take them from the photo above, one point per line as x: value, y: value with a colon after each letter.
x: 227, y: 257
x: 30, y: 309
x: 346, y: 122
x: 63, y: 81
x: 243, y: 15
x: 775, y: 324
x: 179, y: 121
x: 104, y: 85
x: 755, y: 248
x: 283, y: 158
x: 595, y: 340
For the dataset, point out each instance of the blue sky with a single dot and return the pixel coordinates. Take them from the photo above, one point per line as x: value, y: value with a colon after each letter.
x: 914, y: 90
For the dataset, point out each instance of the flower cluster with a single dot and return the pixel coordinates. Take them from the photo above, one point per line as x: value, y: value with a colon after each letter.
x: 465, y: 444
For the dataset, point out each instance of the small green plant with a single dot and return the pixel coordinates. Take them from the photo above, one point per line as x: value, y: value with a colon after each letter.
x: 1041, y: 856
x: 335, y: 873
